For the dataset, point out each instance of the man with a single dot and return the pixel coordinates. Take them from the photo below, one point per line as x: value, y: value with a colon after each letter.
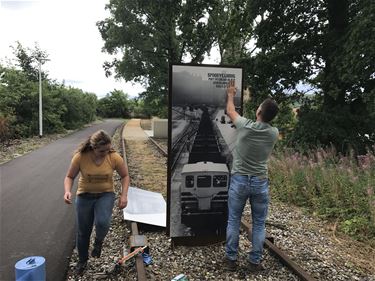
x: 249, y: 178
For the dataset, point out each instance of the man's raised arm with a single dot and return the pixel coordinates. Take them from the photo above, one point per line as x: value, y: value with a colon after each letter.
x: 231, y: 109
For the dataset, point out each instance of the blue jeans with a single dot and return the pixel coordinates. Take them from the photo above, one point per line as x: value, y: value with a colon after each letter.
x: 92, y: 208
x: 241, y: 189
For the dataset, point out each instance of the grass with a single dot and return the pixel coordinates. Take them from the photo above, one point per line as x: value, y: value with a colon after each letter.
x: 335, y: 187
x: 18, y: 147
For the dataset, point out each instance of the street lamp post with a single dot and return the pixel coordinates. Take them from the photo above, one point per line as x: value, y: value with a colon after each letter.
x: 40, y: 97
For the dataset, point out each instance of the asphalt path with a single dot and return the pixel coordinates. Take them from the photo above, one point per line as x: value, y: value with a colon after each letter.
x: 35, y: 221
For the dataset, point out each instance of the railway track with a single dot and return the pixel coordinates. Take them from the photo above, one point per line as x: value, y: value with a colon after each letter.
x: 159, y: 147
x: 180, y: 144
x: 139, y: 264
x: 303, y: 237
x: 269, y: 243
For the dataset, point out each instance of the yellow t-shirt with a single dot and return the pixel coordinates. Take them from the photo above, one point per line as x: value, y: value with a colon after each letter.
x: 96, y: 178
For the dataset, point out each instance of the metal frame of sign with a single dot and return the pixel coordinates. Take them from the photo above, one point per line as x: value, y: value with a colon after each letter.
x: 200, y: 142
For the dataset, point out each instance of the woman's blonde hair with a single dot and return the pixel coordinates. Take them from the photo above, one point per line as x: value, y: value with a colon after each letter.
x: 96, y: 139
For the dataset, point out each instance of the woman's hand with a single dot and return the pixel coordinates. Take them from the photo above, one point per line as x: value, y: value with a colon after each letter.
x: 68, y: 197
x: 123, y: 201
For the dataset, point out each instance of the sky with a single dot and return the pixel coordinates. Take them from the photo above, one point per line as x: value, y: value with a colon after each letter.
x: 67, y: 31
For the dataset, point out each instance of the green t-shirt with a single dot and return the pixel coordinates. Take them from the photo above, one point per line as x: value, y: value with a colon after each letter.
x: 255, y: 141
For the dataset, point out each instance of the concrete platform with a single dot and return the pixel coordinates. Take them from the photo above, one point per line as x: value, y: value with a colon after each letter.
x: 133, y: 130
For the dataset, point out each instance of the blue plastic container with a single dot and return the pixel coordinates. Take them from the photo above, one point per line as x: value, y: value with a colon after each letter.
x: 147, y: 259
x: 31, y: 269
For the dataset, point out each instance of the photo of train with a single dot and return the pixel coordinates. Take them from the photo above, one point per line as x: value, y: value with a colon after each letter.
x: 200, y: 158
x: 204, y: 194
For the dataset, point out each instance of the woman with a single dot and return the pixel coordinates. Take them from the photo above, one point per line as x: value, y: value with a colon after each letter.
x: 96, y: 161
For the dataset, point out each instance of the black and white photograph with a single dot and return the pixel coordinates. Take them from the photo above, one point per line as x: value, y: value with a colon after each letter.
x: 201, y: 140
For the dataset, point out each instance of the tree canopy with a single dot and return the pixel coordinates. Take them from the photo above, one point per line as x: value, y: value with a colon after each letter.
x: 114, y: 104
x: 63, y: 107
x: 319, y: 54
x: 151, y: 34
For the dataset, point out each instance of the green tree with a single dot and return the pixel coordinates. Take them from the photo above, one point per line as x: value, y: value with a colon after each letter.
x: 114, y: 104
x: 151, y: 34
x: 137, y: 108
x: 231, y: 27
x: 79, y: 107
x: 327, y: 46
x: 63, y: 108
x: 52, y: 110
x: 19, y: 102
x: 288, y: 48
x: 28, y: 60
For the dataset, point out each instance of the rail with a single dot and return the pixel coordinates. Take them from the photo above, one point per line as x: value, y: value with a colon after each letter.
x: 139, y: 264
x: 282, y: 256
x: 162, y: 151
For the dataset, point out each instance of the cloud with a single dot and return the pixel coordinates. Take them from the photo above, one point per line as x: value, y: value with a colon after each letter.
x: 67, y: 31
x: 16, y: 5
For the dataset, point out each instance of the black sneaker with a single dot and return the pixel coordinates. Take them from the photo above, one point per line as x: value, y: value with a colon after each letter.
x: 255, y: 267
x: 230, y: 265
x: 97, y: 251
x: 81, y: 267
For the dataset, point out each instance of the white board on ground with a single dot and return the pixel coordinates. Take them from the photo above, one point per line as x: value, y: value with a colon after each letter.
x: 146, y: 207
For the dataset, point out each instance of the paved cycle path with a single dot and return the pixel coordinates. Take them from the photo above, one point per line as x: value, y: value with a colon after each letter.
x: 34, y: 220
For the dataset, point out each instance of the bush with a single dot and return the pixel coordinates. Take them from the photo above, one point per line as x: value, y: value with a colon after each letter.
x: 339, y: 127
x: 63, y: 107
x: 331, y: 185
x: 5, y: 128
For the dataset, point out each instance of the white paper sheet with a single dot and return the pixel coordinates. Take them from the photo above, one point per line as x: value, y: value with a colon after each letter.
x: 146, y: 207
